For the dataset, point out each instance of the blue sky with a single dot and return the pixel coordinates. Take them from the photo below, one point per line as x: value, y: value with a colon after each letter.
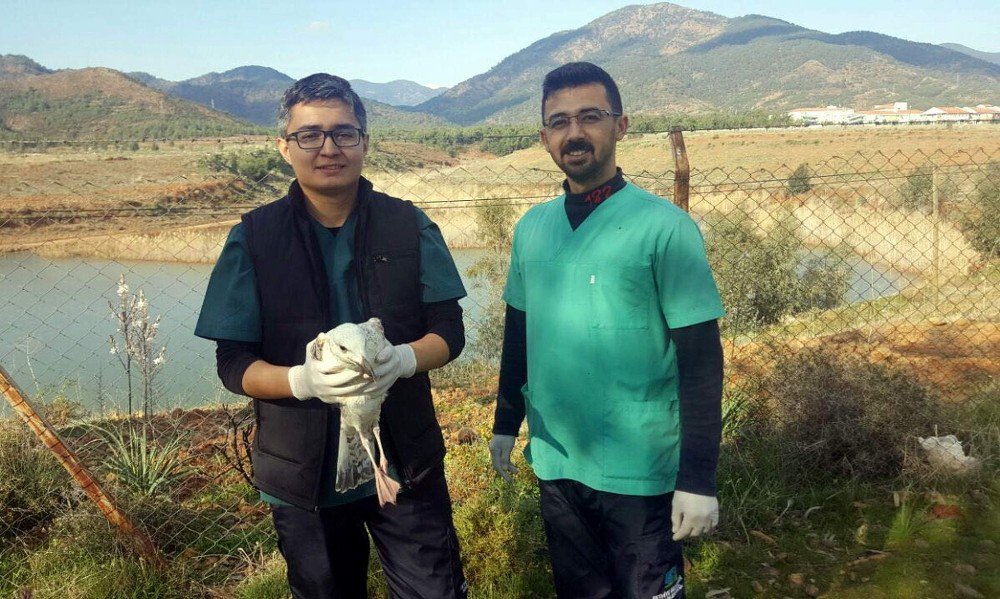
x: 434, y: 42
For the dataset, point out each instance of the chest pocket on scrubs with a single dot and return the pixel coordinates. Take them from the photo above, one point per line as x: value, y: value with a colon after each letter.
x: 620, y: 296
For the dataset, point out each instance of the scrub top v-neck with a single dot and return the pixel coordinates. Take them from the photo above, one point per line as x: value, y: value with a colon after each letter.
x: 601, y: 396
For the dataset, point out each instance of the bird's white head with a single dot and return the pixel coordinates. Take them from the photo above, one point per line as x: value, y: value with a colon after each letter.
x: 354, y: 345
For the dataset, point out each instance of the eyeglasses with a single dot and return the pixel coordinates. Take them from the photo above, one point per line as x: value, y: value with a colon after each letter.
x: 586, y: 118
x: 313, y: 139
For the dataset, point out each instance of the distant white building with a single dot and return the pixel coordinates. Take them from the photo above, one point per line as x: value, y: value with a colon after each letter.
x: 947, y: 114
x: 893, y: 106
x: 895, y: 113
x: 984, y: 112
x: 828, y: 114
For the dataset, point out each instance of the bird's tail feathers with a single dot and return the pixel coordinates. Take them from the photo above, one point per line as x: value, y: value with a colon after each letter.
x: 353, y: 466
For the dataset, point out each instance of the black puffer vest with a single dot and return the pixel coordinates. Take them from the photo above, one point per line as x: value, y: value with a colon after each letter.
x: 291, y: 437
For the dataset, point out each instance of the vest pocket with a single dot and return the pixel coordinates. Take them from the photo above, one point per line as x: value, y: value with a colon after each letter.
x: 641, y: 440
x: 290, y: 433
x: 396, y: 274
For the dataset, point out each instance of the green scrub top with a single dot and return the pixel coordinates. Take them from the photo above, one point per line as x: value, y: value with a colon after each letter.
x: 231, y: 311
x: 601, y: 397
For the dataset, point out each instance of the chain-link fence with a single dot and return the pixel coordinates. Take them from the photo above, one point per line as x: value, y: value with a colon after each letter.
x: 862, y: 299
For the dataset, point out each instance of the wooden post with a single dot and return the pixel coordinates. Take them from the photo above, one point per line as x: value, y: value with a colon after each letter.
x: 682, y: 171
x: 44, y: 431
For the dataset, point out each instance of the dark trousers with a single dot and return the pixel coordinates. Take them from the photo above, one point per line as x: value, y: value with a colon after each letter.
x: 610, y: 545
x: 327, y: 550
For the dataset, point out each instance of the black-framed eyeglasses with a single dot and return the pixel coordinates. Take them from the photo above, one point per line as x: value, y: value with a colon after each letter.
x: 586, y: 118
x: 313, y: 139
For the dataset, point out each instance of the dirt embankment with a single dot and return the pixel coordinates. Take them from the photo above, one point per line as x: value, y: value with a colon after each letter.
x: 957, y: 357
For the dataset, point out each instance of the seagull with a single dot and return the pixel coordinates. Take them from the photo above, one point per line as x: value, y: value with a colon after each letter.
x: 355, y: 346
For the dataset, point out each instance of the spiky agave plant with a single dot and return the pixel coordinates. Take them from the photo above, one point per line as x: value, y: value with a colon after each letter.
x: 139, y: 464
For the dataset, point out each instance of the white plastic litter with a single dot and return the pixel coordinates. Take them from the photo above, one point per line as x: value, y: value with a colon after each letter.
x: 946, y: 453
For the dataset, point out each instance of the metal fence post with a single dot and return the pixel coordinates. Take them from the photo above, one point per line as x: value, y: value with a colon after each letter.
x: 936, y: 210
x: 682, y: 170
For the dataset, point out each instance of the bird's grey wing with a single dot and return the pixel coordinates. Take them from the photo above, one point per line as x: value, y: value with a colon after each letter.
x: 374, y: 339
x: 353, y: 466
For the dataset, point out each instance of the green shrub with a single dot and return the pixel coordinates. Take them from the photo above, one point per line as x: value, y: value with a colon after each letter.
x: 763, y: 277
x: 843, y: 415
x: 822, y: 281
x: 981, y: 224
x: 800, y: 181
x: 255, y: 166
x: 508, y: 144
x: 495, y: 228
x: 62, y: 410
x: 917, y: 190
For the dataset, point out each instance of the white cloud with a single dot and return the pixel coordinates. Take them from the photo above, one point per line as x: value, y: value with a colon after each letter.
x: 318, y: 26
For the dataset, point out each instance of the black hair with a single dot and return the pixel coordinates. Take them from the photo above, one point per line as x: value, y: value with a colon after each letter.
x: 316, y: 88
x: 575, y: 74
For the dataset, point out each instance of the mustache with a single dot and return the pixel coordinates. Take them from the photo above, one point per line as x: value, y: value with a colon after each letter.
x: 577, y: 145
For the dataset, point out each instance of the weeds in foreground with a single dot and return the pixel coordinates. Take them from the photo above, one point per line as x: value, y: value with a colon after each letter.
x: 906, y: 524
x: 34, y: 488
x: 84, y: 558
x: 844, y: 415
x: 836, y: 533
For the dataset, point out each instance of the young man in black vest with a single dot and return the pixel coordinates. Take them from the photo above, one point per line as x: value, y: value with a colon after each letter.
x: 333, y: 250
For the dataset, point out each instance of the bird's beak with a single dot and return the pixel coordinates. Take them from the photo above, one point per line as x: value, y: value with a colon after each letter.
x: 367, y: 369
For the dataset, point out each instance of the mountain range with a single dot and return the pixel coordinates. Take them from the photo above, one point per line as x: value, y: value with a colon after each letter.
x: 993, y: 57
x: 98, y: 103
x: 253, y: 93
x: 397, y: 93
x: 666, y: 58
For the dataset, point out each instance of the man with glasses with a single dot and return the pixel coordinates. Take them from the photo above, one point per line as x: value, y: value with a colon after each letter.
x: 334, y: 250
x: 612, y: 352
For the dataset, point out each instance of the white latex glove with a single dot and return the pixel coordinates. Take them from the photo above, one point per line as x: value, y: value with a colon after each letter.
x: 326, y: 379
x: 501, y: 447
x: 693, y: 515
x: 392, y: 362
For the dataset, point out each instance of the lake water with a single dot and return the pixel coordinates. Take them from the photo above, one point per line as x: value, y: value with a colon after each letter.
x: 55, y: 324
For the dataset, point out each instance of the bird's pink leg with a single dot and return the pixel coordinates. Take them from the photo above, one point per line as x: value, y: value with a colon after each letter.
x: 384, y: 484
x: 383, y: 461
x: 386, y: 488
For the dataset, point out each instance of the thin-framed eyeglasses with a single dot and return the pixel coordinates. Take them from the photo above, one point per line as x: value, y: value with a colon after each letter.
x: 313, y: 139
x: 586, y: 118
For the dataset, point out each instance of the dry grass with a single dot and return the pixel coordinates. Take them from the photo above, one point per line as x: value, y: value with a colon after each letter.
x: 149, y: 204
x: 770, y: 149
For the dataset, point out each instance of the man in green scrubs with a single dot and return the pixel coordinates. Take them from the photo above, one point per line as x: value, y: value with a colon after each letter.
x: 612, y: 353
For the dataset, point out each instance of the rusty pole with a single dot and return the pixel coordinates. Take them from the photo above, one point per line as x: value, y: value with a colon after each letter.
x: 682, y: 170
x: 44, y: 431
